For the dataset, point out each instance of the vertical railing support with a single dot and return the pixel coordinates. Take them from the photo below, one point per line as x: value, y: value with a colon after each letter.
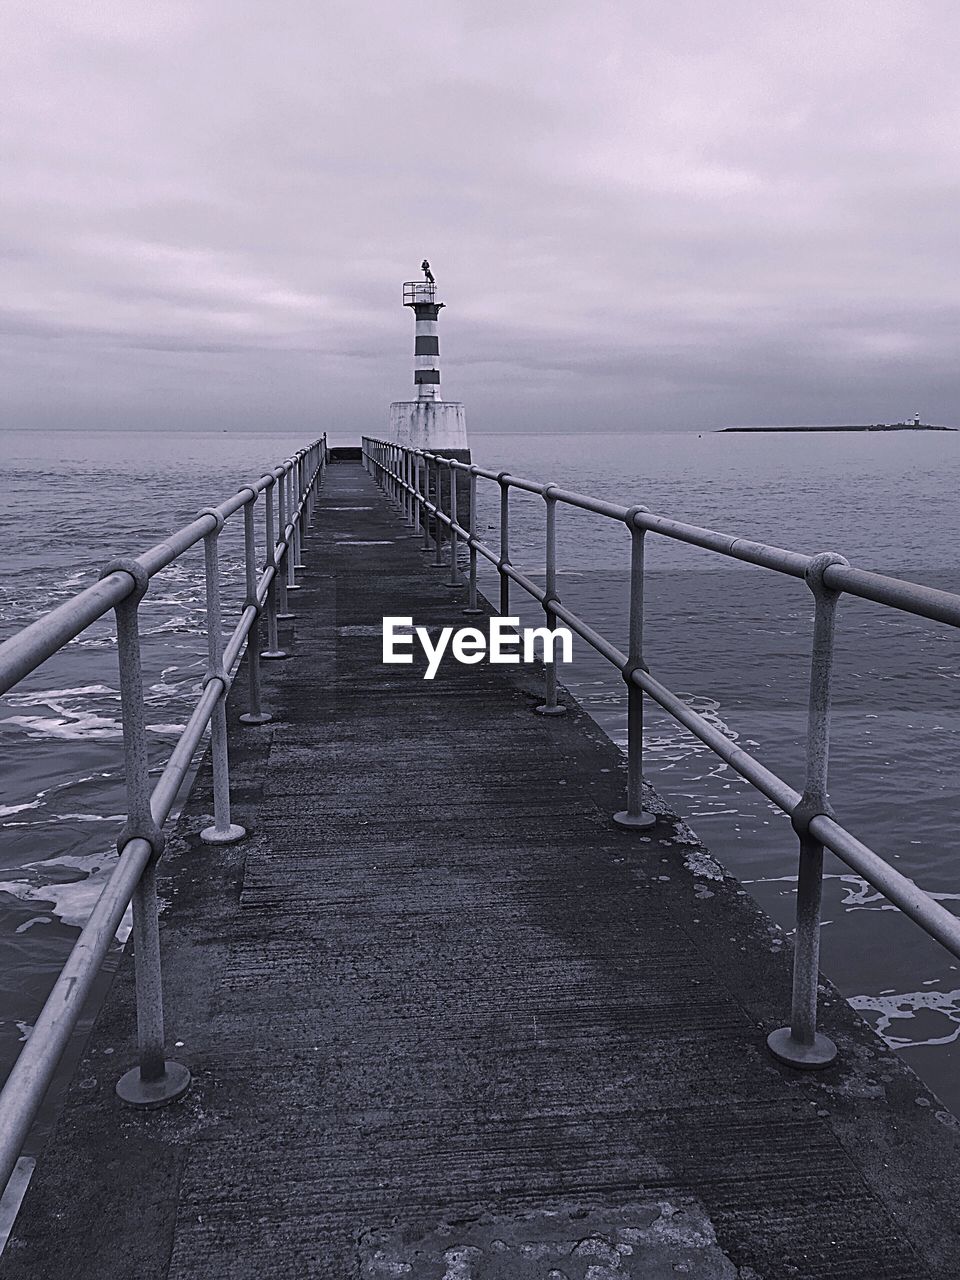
x: 416, y: 505
x: 454, y: 579
x: 273, y: 651
x: 504, y: 544
x: 409, y: 507
x: 550, y: 706
x: 424, y: 512
x: 223, y: 830
x: 256, y: 714
x: 284, y: 613
x: 300, y: 512
x: 634, y: 816
x: 801, y: 1044
x: 290, y: 559
x: 438, y: 523
x: 156, y: 1080
x: 472, y: 605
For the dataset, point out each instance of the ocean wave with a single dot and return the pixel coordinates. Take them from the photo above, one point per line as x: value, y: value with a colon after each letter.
x: 8, y: 810
x: 52, y: 697
x: 67, y: 727
x: 51, y: 820
x: 859, y: 894
x: 71, y: 902
x: 910, y: 1006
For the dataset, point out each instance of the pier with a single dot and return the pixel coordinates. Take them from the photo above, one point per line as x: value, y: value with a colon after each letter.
x: 429, y: 1009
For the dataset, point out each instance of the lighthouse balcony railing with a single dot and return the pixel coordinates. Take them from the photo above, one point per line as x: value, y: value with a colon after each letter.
x: 415, y: 291
x: 425, y: 487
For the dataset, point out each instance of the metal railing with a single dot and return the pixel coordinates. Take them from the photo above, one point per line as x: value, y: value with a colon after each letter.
x: 289, y: 495
x: 415, y: 291
x: 414, y: 479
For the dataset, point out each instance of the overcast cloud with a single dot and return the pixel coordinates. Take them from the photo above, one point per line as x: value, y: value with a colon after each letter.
x: 648, y: 214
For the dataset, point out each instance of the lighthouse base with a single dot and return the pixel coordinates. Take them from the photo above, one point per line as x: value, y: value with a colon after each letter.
x: 438, y: 426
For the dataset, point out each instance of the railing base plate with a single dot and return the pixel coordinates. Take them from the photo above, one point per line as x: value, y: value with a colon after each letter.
x: 273, y: 655
x: 150, y: 1094
x: 286, y: 617
x: 544, y: 710
x: 471, y: 611
x: 249, y: 718
x: 634, y: 821
x: 229, y: 835
x: 808, y: 1057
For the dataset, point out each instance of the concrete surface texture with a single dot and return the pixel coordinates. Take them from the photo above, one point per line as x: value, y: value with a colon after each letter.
x: 447, y: 1022
x: 434, y: 425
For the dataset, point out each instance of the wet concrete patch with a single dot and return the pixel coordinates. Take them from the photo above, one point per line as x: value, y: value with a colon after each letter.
x: 656, y: 1241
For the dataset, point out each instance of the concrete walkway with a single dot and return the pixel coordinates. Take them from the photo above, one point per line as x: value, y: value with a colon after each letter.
x: 446, y: 1022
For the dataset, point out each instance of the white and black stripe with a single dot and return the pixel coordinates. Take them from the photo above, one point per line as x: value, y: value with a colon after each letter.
x: 426, y: 352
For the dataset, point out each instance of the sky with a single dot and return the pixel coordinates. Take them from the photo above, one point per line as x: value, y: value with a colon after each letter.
x: 642, y: 214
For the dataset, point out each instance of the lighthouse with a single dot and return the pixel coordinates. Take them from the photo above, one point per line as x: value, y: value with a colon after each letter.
x: 428, y: 422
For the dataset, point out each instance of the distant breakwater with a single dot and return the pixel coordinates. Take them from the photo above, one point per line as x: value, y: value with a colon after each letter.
x: 880, y: 426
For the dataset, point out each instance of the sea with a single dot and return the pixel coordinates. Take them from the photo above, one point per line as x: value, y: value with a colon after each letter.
x: 732, y: 640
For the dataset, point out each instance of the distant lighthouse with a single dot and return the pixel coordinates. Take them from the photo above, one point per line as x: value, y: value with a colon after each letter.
x: 428, y: 422
x: 426, y: 351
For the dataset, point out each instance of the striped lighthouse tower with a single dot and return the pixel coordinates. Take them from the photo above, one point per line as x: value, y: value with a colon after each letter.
x: 428, y: 422
x: 422, y: 297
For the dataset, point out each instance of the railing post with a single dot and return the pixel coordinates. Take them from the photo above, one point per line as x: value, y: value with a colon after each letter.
x: 156, y: 1080
x: 472, y: 606
x: 504, y: 543
x: 316, y: 475
x: 300, y: 514
x: 424, y: 513
x: 310, y: 463
x: 223, y: 830
x: 283, y: 609
x: 550, y: 706
x: 293, y: 542
x: 273, y: 652
x: 438, y: 523
x: 801, y: 1044
x: 454, y: 579
x: 634, y: 816
x: 407, y: 493
x: 416, y: 510
x: 256, y: 714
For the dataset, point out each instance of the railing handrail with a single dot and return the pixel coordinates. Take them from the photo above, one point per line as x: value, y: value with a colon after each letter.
x: 121, y: 587
x: 33, y: 644
x: 828, y: 575
x: 898, y: 593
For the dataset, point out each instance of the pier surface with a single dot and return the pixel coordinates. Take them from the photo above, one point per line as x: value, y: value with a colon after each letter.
x: 447, y: 1022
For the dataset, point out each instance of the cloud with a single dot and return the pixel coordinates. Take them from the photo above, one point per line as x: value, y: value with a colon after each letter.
x: 675, y: 214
